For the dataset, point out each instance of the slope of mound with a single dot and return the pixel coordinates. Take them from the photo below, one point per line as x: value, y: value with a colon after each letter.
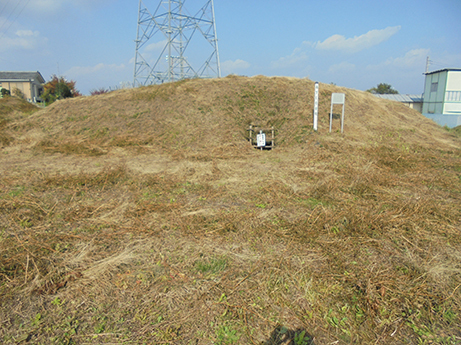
x: 197, y: 115
x: 10, y: 105
x: 11, y: 109
x: 145, y: 216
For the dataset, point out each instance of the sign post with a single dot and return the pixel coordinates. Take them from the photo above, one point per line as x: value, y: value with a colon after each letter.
x: 338, y: 98
x: 261, y: 139
x: 316, y: 107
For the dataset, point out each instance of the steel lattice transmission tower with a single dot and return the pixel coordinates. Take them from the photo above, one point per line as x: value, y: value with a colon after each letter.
x: 171, y: 32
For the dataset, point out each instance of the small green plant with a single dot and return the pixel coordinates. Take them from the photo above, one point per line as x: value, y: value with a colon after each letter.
x: 334, y: 229
x: 17, y: 191
x: 36, y: 320
x: 449, y: 316
x: 225, y: 335
x: 213, y: 265
x: 312, y: 202
x: 99, y: 328
x: 302, y: 338
x: 57, y: 302
x: 25, y: 223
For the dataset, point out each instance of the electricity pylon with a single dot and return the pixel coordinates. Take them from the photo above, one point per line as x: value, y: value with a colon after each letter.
x: 172, y: 32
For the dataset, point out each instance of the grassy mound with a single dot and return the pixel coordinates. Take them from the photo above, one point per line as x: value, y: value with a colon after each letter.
x: 194, y: 116
x: 9, y: 104
x: 12, y: 108
x: 145, y: 216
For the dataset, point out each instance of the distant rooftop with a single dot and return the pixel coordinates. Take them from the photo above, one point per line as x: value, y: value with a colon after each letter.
x: 402, y: 98
x: 23, y: 76
x: 444, y: 70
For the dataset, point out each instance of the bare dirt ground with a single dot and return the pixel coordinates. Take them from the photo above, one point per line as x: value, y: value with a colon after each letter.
x: 145, y: 216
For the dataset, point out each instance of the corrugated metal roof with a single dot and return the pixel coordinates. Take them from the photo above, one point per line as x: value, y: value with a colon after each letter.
x: 402, y: 98
x: 22, y: 76
x: 444, y: 70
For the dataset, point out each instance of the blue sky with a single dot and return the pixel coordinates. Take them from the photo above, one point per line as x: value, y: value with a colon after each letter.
x: 352, y: 43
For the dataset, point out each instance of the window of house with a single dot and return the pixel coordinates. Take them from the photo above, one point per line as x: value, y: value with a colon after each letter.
x: 434, y: 87
x: 453, y: 96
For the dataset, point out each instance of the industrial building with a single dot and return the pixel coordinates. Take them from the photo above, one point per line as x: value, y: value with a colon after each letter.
x: 442, y: 97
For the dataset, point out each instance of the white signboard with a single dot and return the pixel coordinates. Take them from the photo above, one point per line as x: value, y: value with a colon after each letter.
x: 316, y: 107
x: 338, y: 98
x: 261, y: 139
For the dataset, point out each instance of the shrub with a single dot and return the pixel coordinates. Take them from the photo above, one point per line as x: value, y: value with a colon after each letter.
x: 5, y: 92
x: 18, y: 93
x: 99, y: 91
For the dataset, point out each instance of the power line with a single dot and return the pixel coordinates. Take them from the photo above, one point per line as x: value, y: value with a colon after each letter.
x: 11, y: 13
x: 6, y: 4
x: 23, y: 8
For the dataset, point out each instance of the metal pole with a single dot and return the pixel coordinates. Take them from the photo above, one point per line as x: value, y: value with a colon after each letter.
x: 137, y: 46
x: 316, y: 106
x: 342, y: 119
x: 216, y: 40
x: 170, y: 60
x: 331, y: 114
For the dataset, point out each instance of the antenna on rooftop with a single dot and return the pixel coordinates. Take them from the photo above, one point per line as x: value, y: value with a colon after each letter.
x: 164, y: 37
x: 428, y: 62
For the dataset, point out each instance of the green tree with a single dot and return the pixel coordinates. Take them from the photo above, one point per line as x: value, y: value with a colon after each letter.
x: 383, y: 88
x: 59, y: 88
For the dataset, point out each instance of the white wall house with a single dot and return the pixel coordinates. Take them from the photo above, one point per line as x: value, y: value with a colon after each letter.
x: 29, y: 83
x: 442, y: 97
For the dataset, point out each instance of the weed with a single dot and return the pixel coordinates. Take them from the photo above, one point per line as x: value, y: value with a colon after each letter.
x: 212, y: 265
x: 17, y: 191
x: 226, y: 335
x: 36, y: 320
x: 302, y: 339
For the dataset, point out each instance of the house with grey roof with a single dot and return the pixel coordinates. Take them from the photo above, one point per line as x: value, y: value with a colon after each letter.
x: 29, y: 83
x: 412, y: 101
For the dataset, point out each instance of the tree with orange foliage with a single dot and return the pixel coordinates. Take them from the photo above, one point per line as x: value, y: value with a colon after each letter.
x: 59, y: 88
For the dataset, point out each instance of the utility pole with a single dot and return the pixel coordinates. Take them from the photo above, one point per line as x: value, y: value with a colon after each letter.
x: 170, y: 32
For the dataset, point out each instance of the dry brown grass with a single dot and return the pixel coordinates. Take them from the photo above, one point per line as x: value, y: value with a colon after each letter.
x: 144, y: 216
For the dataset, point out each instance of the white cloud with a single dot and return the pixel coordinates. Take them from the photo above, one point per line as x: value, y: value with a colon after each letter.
x: 412, y: 59
x: 230, y: 66
x: 342, y: 67
x: 42, y: 7
x: 298, y: 56
x: 357, y: 43
x: 157, y: 46
x: 23, y: 40
x: 51, y: 7
x: 27, y: 33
